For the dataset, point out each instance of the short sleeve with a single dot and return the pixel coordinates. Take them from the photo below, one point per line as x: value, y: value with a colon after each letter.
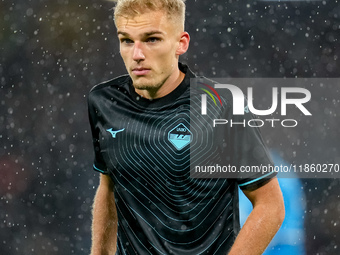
x: 99, y: 163
x: 248, y: 152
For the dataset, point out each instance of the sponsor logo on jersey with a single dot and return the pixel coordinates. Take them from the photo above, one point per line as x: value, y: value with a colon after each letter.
x: 114, y: 133
x: 180, y: 136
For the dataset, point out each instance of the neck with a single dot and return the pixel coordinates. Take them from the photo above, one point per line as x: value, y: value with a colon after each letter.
x: 169, y: 85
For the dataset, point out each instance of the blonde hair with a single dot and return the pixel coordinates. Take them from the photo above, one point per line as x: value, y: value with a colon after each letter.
x: 174, y: 9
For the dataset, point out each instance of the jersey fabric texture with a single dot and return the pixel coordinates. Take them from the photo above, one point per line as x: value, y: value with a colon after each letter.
x: 144, y: 146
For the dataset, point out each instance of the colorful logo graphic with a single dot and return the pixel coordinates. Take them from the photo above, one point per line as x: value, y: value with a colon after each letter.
x: 204, y: 97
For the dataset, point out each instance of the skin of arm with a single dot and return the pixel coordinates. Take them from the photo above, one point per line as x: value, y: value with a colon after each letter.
x: 263, y: 222
x: 104, y: 223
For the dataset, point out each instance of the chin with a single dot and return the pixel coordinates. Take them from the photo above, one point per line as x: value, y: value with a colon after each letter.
x: 144, y: 85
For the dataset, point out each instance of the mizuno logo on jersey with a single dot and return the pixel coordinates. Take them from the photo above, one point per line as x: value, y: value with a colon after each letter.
x: 114, y: 133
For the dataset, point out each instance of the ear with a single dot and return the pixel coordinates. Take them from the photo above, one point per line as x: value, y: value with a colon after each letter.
x: 183, y: 43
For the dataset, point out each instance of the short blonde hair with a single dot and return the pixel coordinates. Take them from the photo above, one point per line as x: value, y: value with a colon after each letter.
x: 175, y: 9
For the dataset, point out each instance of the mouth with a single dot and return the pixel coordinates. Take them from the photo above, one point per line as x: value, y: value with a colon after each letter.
x: 139, y: 71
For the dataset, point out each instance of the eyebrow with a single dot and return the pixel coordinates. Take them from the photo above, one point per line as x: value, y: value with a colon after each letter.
x: 145, y: 34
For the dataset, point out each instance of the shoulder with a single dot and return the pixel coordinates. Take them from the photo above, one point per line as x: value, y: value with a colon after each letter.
x: 110, y: 89
x: 118, y: 82
x: 103, y: 94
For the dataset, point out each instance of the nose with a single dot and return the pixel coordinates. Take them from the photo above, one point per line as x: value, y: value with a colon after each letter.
x: 138, y: 54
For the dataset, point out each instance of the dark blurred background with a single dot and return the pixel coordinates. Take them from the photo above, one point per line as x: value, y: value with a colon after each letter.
x: 53, y: 52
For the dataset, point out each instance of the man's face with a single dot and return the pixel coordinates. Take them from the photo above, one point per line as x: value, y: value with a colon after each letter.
x: 148, y: 44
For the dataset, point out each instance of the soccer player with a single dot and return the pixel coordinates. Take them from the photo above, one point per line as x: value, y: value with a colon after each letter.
x: 146, y: 202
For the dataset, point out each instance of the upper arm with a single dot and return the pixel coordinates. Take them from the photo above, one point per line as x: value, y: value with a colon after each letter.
x: 269, y: 193
x: 104, y: 198
x: 106, y: 182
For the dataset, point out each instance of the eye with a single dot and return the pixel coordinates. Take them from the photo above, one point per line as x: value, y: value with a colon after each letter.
x: 126, y: 41
x: 153, y: 39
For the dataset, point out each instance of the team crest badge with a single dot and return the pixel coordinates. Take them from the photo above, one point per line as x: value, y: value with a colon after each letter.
x: 180, y: 136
